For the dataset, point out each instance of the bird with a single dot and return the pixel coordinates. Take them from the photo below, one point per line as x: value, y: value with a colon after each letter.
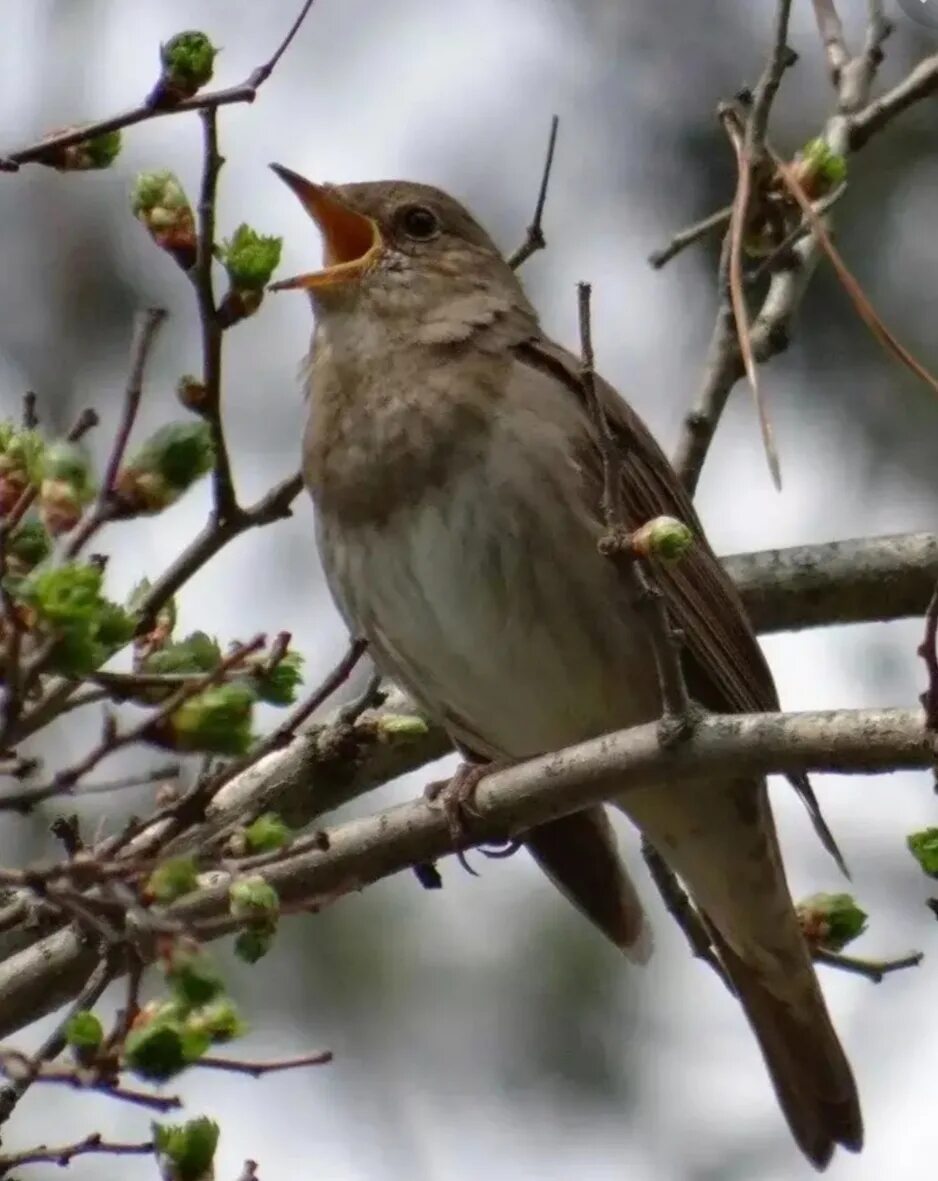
x: 456, y: 473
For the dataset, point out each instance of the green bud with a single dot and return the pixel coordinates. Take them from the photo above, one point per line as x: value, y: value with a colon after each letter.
x: 192, y: 393
x: 188, y: 62
x: 253, y: 944
x: 157, y: 1051
x: 830, y: 921
x: 100, y: 151
x: 820, y: 163
x: 69, y: 606
x: 167, y: 465
x: 21, y: 455
x: 250, y: 258
x: 278, y: 685
x: 254, y: 900
x: 159, y: 201
x: 197, y: 653
x: 194, y: 978
x: 69, y: 462
x: 215, y: 721
x: 219, y: 1021
x: 266, y: 833
x: 27, y: 547
x: 186, y: 1151
x: 401, y: 726
x: 85, y: 1034
x: 663, y: 538
x: 924, y: 848
x: 172, y: 879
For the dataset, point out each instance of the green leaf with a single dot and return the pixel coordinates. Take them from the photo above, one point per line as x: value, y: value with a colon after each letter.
x: 250, y: 258
x: 29, y: 545
x: 253, y: 944
x: 219, y: 1021
x: 266, y: 833
x: 84, y: 1031
x: 102, y: 150
x: 193, y: 977
x: 167, y: 465
x: 402, y: 726
x: 186, y: 1150
x: 156, y: 1051
x: 663, y: 538
x: 253, y: 899
x: 924, y: 848
x: 278, y: 685
x: 197, y: 653
x: 215, y: 721
x: 172, y: 879
x: 69, y: 463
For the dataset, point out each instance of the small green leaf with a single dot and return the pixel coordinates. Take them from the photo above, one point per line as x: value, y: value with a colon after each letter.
x: 70, y: 463
x: 28, y: 546
x: 156, y: 1051
x: 278, y: 686
x: 167, y: 465
x: 219, y: 1021
x: 924, y: 848
x: 253, y: 944
x: 250, y: 258
x: 83, y: 1031
x: 197, y: 653
x: 186, y: 1151
x: 266, y: 833
x: 215, y: 721
x: 253, y: 900
x: 193, y: 977
x: 663, y: 538
x: 172, y: 879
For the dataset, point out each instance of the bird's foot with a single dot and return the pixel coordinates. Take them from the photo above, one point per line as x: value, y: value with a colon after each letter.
x: 456, y: 796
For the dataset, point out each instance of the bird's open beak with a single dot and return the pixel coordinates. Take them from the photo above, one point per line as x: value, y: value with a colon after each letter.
x: 351, y: 241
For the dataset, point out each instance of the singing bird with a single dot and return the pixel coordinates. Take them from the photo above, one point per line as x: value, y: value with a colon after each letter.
x: 457, y: 476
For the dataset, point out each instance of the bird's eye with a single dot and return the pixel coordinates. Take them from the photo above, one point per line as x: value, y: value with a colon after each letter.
x: 419, y: 222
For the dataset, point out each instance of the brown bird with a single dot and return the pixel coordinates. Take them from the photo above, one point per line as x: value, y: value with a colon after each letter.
x: 457, y: 476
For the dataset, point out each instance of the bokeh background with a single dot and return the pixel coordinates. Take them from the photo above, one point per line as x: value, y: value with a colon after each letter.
x: 485, y: 1029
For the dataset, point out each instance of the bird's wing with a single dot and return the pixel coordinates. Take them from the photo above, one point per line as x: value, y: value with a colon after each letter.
x: 724, y: 666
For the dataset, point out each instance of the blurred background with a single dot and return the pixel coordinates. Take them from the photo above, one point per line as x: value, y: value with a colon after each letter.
x: 485, y: 1028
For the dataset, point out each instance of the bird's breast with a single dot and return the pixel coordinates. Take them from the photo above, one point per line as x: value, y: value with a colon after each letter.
x: 487, y: 598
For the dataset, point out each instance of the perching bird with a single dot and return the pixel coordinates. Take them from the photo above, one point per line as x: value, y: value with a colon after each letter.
x: 457, y: 477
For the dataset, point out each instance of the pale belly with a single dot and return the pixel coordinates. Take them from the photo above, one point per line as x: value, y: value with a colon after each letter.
x: 507, y: 625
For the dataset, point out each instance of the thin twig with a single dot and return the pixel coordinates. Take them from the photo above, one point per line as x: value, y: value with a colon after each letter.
x: 13, y: 1063
x: 873, y: 970
x: 65, y: 781
x: 271, y: 1066
x: 832, y: 37
x: 146, y: 327
x: 687, y: 237
x: 244, y: 92
x: 55, y: 1043
x: 534, y: 238
x: 920, y: 84
x: 66, y: 1153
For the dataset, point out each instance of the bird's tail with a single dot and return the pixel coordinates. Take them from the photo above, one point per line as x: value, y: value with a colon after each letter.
x: 806, y: 1062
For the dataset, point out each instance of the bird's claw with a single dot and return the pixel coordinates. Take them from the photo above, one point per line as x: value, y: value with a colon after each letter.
x: 456, y: 796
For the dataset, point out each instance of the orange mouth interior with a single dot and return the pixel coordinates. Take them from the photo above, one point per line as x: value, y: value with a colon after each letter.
x: 351, y: 241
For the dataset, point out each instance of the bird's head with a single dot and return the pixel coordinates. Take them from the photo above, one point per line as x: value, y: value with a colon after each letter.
x: 397, y: 246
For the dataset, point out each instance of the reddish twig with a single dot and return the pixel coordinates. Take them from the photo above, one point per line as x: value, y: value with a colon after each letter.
x: 244, y: 92
x: 65, y: 1154
x: 271, y: 1066
x: 146, y: 328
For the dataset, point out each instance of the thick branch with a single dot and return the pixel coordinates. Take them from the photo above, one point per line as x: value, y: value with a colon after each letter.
x: 357, y: 853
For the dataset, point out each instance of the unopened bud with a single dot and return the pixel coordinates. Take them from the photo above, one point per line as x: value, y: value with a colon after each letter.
x: 818, y: 169
x: 100, y: 151
x: 187, y: 62
x: 160, y: 203
x: 167, y: 464
x: 664, y: 538
x: 830, y: 921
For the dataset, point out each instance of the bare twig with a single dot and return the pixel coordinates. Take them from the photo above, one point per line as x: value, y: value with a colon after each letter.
x: 687, y: 237
x: 65, y: 781
x: 832, y: 37
x: 874, y: 970
x: 274, y: 506
x: 920, y: 84
x: 55, y: 1043
x: 146, y: 327
x: 271, y: 1066
x: 682, y: 910
x: 66, y: 1153
x: 534, y: 238
x: 244, y: 92
x: 13, y: 1063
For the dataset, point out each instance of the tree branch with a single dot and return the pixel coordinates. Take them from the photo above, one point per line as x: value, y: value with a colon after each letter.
x: 34, y: 982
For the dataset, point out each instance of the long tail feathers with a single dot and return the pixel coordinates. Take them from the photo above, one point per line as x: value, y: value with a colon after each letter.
x: 807, y: 1065
x: 580, y: 855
